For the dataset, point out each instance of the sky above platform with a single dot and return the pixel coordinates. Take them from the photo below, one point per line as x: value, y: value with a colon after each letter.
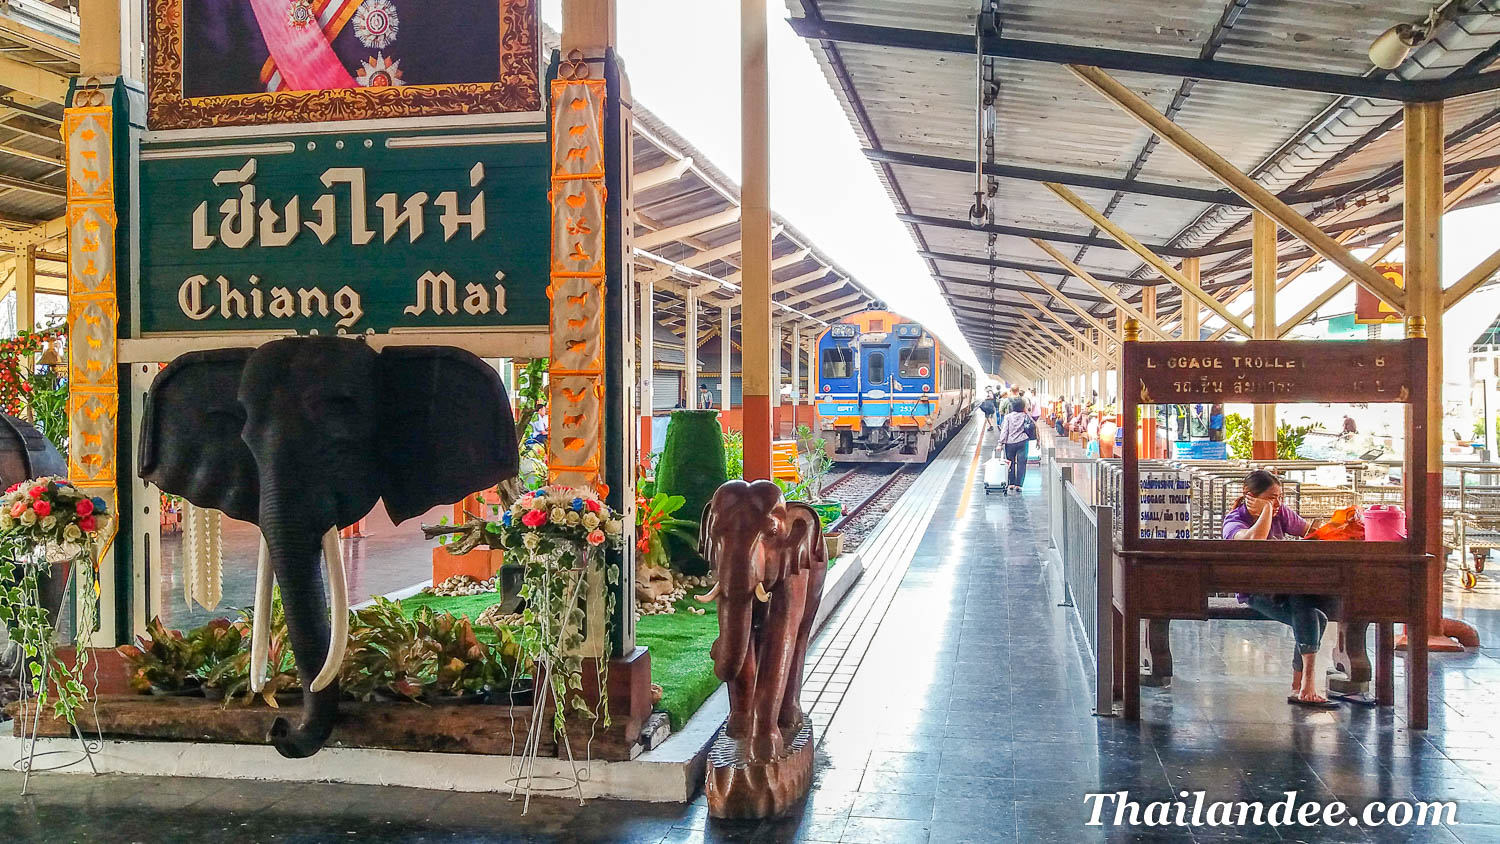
x: 683, y: 58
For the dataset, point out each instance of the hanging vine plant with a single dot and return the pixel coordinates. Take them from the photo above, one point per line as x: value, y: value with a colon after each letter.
x: 560, y: 534
x: 45, y: 523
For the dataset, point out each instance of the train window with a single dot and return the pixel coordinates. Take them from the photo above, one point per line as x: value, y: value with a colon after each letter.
x: 877, y: 368
x: 837, y: 363
x: 916, y: 362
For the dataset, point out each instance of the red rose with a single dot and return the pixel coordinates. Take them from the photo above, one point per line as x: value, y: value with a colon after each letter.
x: 87, y: 524
x: 42, y: 508
x: 592, y: 505
x: 36, y: 491
x: 533, y: 518
x: 13, y: 487
x: 85, y: 507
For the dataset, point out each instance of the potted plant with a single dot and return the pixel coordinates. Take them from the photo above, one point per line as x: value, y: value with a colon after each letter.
x: 229, y: 679
x: 655, y: 520
x: 163, y: 661
x: 390, y: 656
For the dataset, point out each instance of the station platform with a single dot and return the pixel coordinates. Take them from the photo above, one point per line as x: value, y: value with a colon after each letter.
x: 952, y: 695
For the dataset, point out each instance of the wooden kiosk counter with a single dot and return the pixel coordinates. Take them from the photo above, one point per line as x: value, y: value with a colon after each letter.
x: 1375, y: 582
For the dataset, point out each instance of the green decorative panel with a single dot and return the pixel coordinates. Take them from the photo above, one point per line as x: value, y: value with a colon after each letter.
x: 346, y: 233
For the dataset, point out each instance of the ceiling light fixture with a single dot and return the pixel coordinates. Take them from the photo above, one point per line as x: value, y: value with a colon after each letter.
x: 1393, y: 46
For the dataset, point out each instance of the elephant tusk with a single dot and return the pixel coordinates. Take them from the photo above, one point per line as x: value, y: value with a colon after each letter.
x: 708, y: 596
x: 760, y: 593
x: 338, y: 607
x: 260, y: 624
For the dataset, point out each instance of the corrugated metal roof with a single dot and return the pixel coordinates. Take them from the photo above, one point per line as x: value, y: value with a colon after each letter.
x: 921, y: 102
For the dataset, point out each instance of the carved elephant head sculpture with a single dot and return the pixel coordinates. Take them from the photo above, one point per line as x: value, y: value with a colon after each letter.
x: 304, y: 435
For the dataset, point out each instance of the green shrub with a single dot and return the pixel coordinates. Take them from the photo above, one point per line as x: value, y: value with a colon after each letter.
x: 692, y: 466
x: 1237, y: 435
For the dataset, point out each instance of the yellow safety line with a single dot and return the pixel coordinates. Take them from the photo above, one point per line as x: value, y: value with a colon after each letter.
x: 963, y: 503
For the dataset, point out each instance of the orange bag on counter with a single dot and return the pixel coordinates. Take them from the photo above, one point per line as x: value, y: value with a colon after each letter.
x: 1343, y: 526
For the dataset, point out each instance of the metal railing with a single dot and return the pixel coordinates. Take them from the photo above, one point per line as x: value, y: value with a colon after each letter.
x: 1082, y: 534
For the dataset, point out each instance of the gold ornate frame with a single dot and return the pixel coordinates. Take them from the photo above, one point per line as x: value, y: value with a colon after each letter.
x: 517, y: 90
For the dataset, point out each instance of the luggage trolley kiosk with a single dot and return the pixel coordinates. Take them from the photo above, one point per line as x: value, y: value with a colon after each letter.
x: 1374, y: 582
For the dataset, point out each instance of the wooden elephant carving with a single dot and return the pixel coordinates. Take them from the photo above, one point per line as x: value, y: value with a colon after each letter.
x: 770, y: 561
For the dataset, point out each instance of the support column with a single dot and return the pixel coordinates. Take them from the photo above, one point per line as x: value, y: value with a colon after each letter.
x: 756, y: 347
x: 648, y: 360
x: 777, y: 339
x: 690, y: 349
x: 100, y: 45
x: 1191, y: 267
x: 1263, y: 286
x: 1423, y: 127
x: 796, y: 345
x: 726, y: 353
x: 26, y: 288
x: 1100, y: 340
x: 1146, y: 429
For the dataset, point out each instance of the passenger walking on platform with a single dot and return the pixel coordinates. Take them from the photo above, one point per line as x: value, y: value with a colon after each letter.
x: 705, y: 398
x: 989, y: 408
x: 1016, y: 432
x: 1259, y: 514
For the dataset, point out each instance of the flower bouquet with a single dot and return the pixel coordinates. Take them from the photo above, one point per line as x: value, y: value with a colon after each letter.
x: 560, y: 533
x: 44, y: 522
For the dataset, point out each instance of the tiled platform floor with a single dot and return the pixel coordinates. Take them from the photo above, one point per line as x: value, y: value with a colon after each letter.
x: 966, y: 719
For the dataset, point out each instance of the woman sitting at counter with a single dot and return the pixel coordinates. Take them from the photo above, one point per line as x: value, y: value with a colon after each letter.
x: 1260, y: 514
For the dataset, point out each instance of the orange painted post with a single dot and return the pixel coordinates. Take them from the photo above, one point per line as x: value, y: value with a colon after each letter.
x: 755, y: 233
x: 1423, y: 127
x: 1263, y: 284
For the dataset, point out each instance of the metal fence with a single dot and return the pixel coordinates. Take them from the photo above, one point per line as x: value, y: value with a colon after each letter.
x: 1082, y: 534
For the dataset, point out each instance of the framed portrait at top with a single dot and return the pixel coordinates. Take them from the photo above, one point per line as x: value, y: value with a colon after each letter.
x: 259, y: 62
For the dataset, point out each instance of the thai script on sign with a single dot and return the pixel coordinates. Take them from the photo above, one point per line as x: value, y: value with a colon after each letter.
x: 246, y: 220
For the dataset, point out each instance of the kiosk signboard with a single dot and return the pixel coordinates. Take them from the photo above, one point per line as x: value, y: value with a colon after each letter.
x: 346, y: 233
x: 1269, y: 371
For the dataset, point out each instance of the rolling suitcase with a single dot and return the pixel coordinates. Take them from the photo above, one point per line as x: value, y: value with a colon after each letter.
x: 994, y: 475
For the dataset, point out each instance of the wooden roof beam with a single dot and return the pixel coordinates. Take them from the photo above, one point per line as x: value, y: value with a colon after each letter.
x: 1154, y: 261
x: 1104, y: 290
x: 656, y: 176
x: 1263, y: 200
x: 690, y: 228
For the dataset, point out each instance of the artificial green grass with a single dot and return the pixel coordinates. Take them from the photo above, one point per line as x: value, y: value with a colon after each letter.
x: 679, y: 645
x: 680, y: 662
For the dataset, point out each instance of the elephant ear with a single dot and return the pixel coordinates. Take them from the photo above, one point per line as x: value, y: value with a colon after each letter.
x: 816, y: 552
x: 446, y: 428
x: 190, y: 436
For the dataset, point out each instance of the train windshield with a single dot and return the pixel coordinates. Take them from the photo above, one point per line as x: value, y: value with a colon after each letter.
x: 876, y: 363
x: 838, y: 363
x: 916, y: 362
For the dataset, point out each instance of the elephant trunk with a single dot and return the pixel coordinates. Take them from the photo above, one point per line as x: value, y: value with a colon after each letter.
x: 736, y: 609
x: 295, y: 548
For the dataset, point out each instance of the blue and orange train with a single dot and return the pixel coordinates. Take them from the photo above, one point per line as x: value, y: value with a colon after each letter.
x: 887, y: 390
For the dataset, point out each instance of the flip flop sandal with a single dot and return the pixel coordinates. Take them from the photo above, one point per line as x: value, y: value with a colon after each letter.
x: 1311, y: 704
x: 1361, y: 699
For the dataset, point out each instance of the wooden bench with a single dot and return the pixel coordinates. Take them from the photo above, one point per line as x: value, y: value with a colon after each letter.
x: 1351, y: 656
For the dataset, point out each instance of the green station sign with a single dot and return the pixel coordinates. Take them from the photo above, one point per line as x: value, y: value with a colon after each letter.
x: 356, y: 233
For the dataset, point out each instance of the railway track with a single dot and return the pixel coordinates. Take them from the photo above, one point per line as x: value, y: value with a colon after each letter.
x: 867, y: 493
